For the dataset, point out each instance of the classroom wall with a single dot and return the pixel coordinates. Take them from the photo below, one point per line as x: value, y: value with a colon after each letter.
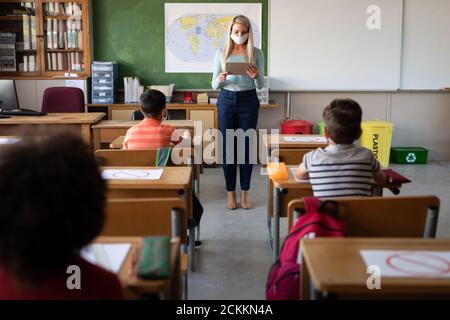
x: 420, y: 118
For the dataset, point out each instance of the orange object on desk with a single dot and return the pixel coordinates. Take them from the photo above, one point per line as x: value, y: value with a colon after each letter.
x: 277, y: 171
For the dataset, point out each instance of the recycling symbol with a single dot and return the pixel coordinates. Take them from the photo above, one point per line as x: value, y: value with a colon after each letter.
x: 411, y: 157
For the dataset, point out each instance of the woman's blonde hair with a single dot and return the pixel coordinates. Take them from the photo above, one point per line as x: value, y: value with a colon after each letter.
x: 229, y: 46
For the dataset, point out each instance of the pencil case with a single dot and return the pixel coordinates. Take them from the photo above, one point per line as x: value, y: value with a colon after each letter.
x: 154, y: 258
x: 277, y: 171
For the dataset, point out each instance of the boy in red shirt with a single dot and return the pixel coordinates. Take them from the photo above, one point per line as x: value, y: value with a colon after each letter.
x: 150, y: 133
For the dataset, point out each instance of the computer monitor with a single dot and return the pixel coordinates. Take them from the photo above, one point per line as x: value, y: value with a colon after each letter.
x: 8, y: 95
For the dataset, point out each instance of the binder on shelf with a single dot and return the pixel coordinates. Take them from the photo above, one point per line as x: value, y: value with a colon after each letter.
x: 25, y: 63
x: 69, y: 9
x: 54, y: 61
x: 32, y: 63
x: 61, y: 44
x: 26, y: 32
x: 60, y: 61
x: 33, y: 32
x: 55, y: 33
x: 49, y: 34
x: 76, y: 9
x: 49, y: 62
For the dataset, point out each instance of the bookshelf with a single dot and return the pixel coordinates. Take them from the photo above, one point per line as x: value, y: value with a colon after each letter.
x: 41, y: 39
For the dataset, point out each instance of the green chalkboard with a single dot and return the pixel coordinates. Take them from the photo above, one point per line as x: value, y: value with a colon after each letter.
x: 132, y: 33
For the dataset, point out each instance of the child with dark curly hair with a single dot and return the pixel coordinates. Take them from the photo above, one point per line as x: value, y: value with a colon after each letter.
x: 53, y: 200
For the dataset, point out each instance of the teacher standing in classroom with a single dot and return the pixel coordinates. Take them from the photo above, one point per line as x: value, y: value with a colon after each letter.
x: 238, y: 103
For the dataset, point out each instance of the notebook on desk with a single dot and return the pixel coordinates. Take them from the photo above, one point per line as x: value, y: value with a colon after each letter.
x: 108, y: 256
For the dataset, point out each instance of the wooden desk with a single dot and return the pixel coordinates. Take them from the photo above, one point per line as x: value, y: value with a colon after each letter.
x: 277, y: 140
x: 80, y: 123
x: 175, y: 182
x: 281, y: 192
x: 109, y: 130
x: 135, y: 287
x: 273, y: 142
x: 334, y: 267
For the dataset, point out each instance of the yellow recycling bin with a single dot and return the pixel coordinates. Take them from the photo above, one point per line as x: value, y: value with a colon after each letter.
x: 377, y: 137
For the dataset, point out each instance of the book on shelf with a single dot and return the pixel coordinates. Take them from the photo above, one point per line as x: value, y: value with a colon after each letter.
x: 32, y: 63
x: 33, y: 32
x: 54, y: 61
x: 26, y: 32
x: 56, y: 7
x: 29, y: 64
x: 53, y: 9
x: 55, y: 33
x: 61, y: 35
x: 49, y: 34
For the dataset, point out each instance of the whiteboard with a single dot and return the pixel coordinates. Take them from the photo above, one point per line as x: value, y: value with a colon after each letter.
x: 426, y: 45
x: 326, y: 45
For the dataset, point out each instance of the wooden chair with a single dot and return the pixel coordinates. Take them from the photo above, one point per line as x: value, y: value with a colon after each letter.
x: 401, y: 216
x: 147, y: 217
x: 139, y: 158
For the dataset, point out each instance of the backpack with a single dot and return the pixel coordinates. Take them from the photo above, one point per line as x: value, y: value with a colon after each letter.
x: 283, y: 282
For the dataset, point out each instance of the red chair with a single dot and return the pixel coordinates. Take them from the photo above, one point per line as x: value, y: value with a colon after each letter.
x: 63, y: 100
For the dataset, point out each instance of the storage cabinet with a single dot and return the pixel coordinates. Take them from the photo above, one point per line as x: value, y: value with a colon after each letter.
x: 44, y: 39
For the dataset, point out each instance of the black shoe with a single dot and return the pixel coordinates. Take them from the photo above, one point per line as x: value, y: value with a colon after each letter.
x: 198, y: 243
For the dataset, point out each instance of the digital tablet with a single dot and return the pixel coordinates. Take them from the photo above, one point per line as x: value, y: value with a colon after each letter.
x: 238, y: 68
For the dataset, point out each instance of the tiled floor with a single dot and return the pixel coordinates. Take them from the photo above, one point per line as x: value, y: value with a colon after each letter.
x: 235, y: 257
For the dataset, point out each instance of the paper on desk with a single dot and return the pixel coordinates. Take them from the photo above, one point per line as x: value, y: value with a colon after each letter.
x: 409, y: 264
x: 306, y: 139
x: 298, y: 180
x: 132, y: 174
x: 10, y: 140
x: 108, y: 256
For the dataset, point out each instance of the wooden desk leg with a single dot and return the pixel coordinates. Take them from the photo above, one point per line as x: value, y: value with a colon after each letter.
x: 269, y: 207
x: 197, y: 178
x: 192, y: 249
x: 86, y: 133
x: 96, y: 134
x: 305, y: 281
x: 276, y: 224
x: 188, y: 197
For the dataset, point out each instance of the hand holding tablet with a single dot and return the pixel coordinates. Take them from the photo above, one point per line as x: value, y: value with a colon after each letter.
x: 240, y: 68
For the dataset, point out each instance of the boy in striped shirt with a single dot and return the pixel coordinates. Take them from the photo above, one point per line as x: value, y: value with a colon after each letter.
x: 341, y: 169
x: 150, y: 133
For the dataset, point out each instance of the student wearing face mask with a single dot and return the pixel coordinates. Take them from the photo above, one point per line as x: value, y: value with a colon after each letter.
x: 238, y: 105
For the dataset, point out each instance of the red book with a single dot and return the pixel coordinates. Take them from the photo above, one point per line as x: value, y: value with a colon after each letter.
x: 394, y: 177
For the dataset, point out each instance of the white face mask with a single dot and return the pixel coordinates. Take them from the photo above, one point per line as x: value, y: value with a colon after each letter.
x: 239, y: 40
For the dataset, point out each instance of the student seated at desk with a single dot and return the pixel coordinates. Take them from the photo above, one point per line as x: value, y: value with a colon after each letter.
x: 53, y: 200
x: 341, y: 169
x: 150, y: 133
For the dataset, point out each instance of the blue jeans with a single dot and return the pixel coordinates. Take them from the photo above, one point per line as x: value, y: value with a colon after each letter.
x: 237, y: 110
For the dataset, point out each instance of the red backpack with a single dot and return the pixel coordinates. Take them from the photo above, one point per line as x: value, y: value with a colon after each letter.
x: 283, y: 282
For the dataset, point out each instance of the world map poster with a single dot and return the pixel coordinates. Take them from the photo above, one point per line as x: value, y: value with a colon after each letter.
x: 195, y: 31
